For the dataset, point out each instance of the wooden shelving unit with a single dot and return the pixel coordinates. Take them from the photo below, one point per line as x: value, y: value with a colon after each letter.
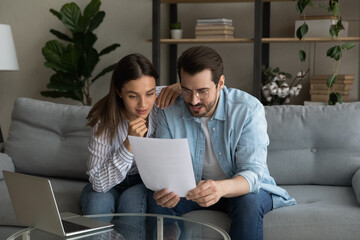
x: 260, y: 41
x: 250, y: 40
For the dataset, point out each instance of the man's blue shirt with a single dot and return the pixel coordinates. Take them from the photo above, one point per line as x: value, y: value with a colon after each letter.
x: 238, y: 132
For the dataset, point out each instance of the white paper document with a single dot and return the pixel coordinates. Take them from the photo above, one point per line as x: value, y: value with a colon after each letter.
x: 164, y: 163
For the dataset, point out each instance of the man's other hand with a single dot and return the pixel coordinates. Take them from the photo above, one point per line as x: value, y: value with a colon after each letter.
x: 206, y: 193
x: 166, y: 199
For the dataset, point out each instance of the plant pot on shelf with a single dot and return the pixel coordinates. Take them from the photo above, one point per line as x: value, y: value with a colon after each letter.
x: 176, y: 33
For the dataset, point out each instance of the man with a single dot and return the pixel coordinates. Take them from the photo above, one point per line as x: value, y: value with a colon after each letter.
x: 226, y: 130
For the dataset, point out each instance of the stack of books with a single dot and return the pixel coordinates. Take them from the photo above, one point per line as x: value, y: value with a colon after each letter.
x: 320, y: 92
x: 214, y: 28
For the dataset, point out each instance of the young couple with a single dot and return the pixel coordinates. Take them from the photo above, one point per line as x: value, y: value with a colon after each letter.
x: 226, y: 130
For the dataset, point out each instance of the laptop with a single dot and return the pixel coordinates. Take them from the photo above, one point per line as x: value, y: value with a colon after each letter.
x: 35, y: 206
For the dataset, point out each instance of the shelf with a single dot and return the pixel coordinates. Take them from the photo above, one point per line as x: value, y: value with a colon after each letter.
x: 249, y: 40
x: 194, y: 40
x: 217, y: 1
x: 289, y: 40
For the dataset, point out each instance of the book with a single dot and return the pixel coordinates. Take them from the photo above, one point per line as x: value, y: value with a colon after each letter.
x: 325, y: 92
x: 325, y: 98
x: 203, y: 21
x: 339, y: 81
x: 215, y: 36
x: 336, y: 86
x: 214, y: 27
x: 210, y: 32
x: 339, y: 77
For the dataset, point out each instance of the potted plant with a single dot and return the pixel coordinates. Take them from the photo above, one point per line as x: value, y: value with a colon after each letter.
x: 278, y: 86
x: 175, y: 30
x: 74, y: 58
x: 335, y: 52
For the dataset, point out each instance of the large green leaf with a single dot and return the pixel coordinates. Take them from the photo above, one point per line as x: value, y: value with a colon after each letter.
x: 70, y: 60
x: 61, y: 35
x: 90, y: 11
x: 104, y: 71
x: 335, y: 98
x: 302, y: 31
x: 61, y: 82
x: 71, y: 16
x: 302, y: 55
x: 91, y: 59
x: 56, y: 13
x: 331, y: 80
x: 301, y: 5
x: 55, y: 67
x: 334, y: 52
x: 348, y: 45
x: 53, y: 51
x: 96, y: 21
x: 84, y: 41
x: 109, y: 49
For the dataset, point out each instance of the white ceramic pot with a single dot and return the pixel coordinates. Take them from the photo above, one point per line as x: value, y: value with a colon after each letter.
x: 176, y: 33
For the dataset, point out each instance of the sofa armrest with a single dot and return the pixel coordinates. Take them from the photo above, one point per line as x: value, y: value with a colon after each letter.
x: 6, y: 163
x: 356, y: 184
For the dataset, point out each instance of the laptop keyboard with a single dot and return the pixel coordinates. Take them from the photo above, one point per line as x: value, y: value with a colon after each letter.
x: 72, y: 227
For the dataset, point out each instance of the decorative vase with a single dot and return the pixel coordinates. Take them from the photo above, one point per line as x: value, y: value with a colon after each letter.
x: 176, y: 33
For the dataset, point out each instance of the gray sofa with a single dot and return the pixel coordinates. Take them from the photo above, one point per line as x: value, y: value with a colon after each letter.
x: 314, y: 153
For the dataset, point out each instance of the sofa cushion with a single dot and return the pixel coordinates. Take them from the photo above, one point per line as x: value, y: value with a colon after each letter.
x: 356, y: 184
x: 312, y: 144
x: 321, y: 212
x: 48, y: 139
x: 5, y: 164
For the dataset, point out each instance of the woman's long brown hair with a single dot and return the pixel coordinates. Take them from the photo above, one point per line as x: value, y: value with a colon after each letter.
x: 109, y: 111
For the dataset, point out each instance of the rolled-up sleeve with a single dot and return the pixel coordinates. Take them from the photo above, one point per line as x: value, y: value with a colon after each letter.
x: 251, y: 150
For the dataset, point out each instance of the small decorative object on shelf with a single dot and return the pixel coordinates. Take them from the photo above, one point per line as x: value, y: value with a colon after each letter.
x: 276, y: 90
x: 319, y: 90
x: 214, y: 28
x: 175, y: 30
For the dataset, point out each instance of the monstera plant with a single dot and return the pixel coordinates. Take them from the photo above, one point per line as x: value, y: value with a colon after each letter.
x: 74, y: 57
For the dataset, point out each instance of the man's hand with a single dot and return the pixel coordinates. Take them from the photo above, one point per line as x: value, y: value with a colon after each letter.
x: 137, y: 127
x: 206, y: 193
x: 166, y: 199
x: 168, y: 95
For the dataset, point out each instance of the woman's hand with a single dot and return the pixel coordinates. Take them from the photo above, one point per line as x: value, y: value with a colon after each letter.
x: 168, y: 95
x: 137, y: 128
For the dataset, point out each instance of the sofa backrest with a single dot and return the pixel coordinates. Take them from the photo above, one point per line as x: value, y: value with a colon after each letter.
x: 48, y: 139
x: 314, y: 144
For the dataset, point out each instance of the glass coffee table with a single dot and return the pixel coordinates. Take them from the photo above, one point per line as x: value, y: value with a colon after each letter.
x: 137, y: 226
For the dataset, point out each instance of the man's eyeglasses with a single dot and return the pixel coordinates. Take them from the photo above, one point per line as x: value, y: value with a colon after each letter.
x: 200, y: 94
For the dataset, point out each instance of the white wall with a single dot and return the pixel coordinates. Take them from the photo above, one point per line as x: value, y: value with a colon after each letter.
x: 128, y: 22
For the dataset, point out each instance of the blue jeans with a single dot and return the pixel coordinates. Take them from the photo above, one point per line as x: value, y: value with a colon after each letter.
x: 246, y: 212
x: 128, y: 196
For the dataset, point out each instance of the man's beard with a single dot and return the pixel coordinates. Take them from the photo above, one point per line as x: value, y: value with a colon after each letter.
x: 208, y: 108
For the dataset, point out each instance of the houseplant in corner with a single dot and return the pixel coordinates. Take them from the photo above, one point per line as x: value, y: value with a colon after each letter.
x: 335, y: 52
x: 75, y: 61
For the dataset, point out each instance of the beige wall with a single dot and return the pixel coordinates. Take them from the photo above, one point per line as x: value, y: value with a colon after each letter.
x: 128, y: 22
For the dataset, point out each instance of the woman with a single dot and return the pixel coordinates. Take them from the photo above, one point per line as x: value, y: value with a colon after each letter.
x: 128, y: 109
